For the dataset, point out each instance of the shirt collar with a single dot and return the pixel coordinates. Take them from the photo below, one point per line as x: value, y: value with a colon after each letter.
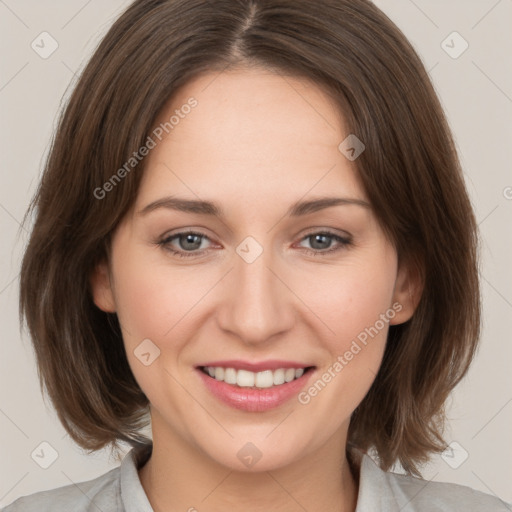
x: 375, y: 489
x: 133, y: 495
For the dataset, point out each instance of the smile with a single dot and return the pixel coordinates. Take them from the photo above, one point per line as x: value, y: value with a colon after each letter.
x: 257, y: 380
x: 254, y: 387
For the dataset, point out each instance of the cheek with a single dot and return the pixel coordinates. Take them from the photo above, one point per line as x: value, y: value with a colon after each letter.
x: 357, y: 308
x: 151, y: 301
x: 352, y: 299
x: 156, y: 304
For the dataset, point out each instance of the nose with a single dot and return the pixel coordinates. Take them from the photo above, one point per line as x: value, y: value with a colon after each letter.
x: 258, y: 303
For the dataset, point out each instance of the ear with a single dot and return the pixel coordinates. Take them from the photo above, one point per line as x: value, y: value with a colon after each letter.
x: 101, y: 287
x: 409, y: 286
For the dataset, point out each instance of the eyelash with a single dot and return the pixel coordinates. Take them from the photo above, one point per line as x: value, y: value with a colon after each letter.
x: 343, y: 243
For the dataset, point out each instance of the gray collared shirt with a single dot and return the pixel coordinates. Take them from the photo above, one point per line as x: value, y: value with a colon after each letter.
x: 121, y: 490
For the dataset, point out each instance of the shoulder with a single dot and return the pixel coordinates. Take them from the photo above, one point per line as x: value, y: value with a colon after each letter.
x: 102, y: 493
x: 394, y: 492
x: 440, y: 496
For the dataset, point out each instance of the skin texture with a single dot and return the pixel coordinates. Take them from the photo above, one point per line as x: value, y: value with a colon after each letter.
x: 255, y: 143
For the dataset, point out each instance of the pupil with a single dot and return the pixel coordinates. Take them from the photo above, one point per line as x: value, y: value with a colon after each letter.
x: 190, y: 239
x: 320, y: 237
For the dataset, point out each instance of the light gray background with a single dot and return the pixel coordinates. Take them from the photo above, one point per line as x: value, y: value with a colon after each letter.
x: 476, y: 92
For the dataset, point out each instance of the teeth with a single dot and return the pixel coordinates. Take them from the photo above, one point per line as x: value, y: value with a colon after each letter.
x: 219, y: 373
x: 279, y: 377
x: 264, y: 379
x: 230, y: 376
x: 247, y: 379
x: 289, y: 374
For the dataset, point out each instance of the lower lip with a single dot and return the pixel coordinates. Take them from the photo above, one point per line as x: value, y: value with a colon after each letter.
x: 254, y: 400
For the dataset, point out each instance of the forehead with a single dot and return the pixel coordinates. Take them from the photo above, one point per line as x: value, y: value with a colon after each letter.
x: 252, y: 134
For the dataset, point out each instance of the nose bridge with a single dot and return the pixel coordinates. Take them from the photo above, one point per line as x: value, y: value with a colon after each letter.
x: 257, y: 304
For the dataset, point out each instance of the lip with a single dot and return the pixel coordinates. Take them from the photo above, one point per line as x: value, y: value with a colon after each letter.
x: 255, y: 400
x: 271, y: 364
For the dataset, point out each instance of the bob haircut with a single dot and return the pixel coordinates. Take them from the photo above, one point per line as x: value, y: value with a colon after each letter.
x: 409, y: 170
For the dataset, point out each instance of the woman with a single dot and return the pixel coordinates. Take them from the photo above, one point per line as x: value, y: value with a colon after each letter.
x: 253, y: 226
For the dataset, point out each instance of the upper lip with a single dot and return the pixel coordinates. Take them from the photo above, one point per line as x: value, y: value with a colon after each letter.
x: 273, y: 364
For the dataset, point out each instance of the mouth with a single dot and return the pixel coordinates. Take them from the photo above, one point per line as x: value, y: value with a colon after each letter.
x: 255, y: 380
x: 254, y: 387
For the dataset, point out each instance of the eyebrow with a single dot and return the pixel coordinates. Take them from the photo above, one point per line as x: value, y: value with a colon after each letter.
x: 297, y: 209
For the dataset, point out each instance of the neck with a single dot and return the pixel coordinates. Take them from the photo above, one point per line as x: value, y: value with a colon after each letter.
x: 178, y: 477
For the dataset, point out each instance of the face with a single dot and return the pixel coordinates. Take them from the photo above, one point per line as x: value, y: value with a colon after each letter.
x: 260, y: 284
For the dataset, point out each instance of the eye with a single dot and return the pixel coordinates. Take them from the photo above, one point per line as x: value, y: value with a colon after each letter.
x: 321, y: 242
x: 187, y: 241
x: 189, y: 244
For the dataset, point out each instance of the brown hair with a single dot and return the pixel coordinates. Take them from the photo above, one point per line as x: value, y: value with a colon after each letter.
x: 410, y: 172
